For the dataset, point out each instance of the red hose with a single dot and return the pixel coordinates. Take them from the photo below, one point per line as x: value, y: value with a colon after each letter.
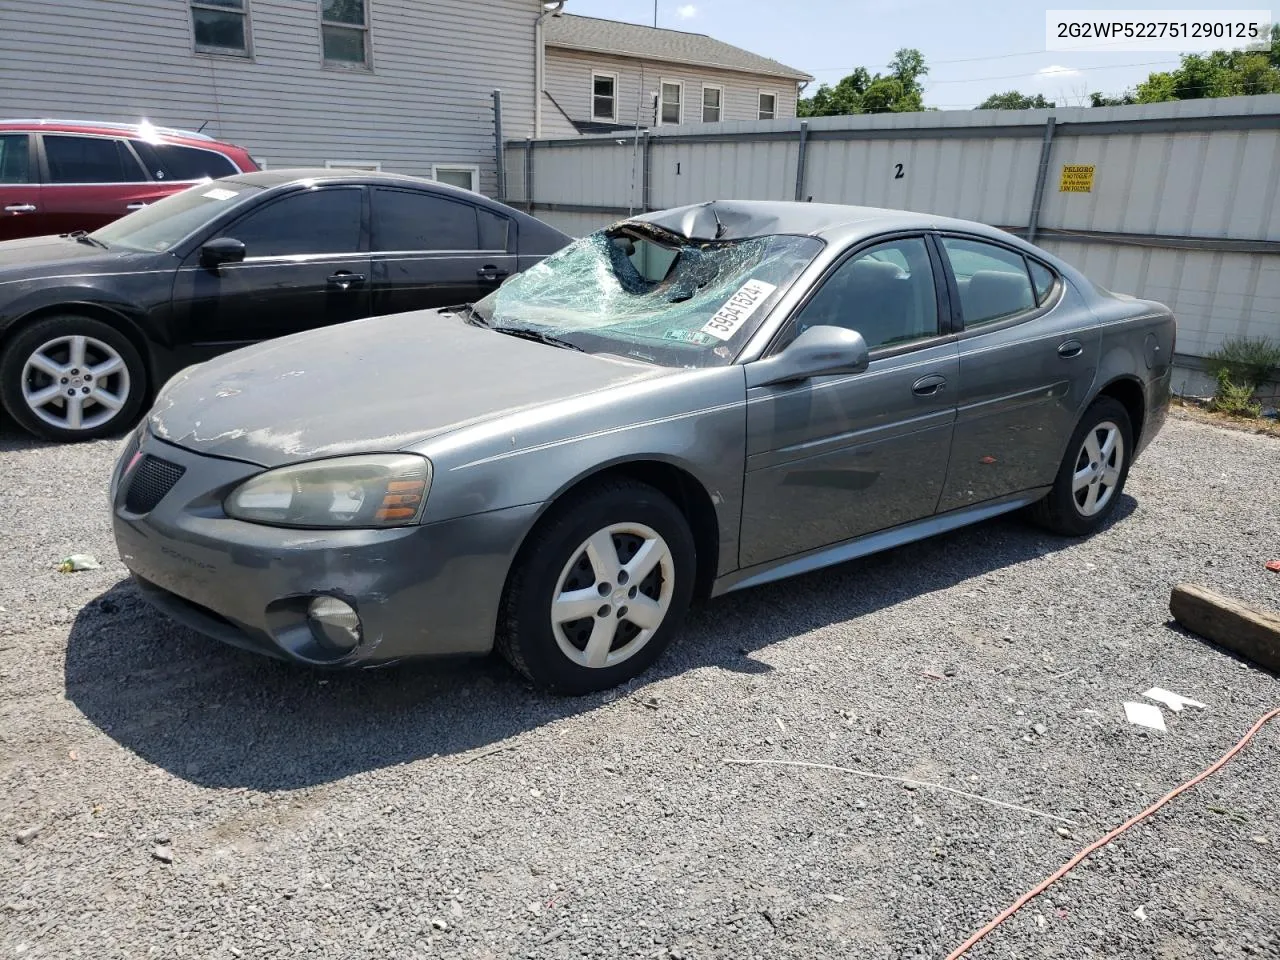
x: 1071, y: 864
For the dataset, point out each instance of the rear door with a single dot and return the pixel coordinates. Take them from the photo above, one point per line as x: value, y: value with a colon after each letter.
x: 90, y: 181
x: 20, y: 206
x: 432, y: 250
x: 306, y: 265
x: 1029, y: 352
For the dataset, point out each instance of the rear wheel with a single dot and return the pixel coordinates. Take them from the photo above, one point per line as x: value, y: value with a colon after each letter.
x: 72, y: 378
x: 1093, y: 471
x: 599, y: 590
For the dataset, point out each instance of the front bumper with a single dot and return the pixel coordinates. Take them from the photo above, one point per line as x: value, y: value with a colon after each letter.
x: 429, y: 590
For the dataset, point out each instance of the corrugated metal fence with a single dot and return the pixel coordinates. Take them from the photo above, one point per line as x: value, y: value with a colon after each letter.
x: 1173, y: 201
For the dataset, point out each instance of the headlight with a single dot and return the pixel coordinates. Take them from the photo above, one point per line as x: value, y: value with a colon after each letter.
x: 126, y: 451
x: 378, y: 490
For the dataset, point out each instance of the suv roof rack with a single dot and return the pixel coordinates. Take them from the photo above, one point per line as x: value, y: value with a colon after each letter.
x: 106, y: 125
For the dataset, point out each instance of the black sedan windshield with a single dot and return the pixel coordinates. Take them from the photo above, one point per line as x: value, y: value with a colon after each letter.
x: 158, y: 227
x: 661, y: 299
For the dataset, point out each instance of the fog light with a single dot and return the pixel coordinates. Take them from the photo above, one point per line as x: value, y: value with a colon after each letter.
x: 334, y: 623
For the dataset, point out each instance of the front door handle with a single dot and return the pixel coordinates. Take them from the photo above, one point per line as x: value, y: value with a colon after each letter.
x: 20, y: 208
x: 491, y: 273
x: 929, y: 386
x: 1069, y: 349
x: 135, y: 206
x: 343, y: 279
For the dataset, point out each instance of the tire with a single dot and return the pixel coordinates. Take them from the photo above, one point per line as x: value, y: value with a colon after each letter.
x: 1090, y: 481
x: 631, y: 622
x: 72, y: 353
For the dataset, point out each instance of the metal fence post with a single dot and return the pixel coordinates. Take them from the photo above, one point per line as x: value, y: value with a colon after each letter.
x: 800, y: 159
x: 646, y: 182
x: 528, y: 175
x: 499, y: 148
x: 1042, y: 175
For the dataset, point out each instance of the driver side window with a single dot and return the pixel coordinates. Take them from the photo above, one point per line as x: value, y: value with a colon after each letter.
x: 315, y: 221
x: 886, y: 293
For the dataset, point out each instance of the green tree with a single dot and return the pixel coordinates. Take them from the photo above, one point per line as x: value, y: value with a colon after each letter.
x: 1013, y: 100
x: 1222, y: 73
x: 898, y: 91
x: 1102, y: 100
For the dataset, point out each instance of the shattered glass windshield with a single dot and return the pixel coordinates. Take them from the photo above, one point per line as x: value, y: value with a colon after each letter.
x: 651, y: 295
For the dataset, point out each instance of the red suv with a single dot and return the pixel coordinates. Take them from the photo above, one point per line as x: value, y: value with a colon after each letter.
x: 60, y: 175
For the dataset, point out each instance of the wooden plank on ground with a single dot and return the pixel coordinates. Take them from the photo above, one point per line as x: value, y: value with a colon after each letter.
x: 1248, y: 631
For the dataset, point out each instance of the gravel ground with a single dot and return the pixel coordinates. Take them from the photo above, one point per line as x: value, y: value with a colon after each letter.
x: 447, y: 810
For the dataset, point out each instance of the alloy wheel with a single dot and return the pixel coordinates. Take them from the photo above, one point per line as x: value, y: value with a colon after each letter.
x: 75, y: 382
x: 1097, y: 469
x: 612, y: 595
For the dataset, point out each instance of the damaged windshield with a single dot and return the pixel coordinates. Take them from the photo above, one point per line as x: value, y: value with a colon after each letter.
x: 651, y: 295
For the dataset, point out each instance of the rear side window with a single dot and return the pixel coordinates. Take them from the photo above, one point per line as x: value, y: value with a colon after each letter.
x: 407, y: 220
x: 15, y: 162
x: 493, y: 230
x: 74, y: 159
x: 993, y: 281
x: 168, y: 161
x: 310, y: 222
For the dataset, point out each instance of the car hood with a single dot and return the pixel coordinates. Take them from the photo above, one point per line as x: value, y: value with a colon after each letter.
x: 34, y: 257
x: 380, y: 384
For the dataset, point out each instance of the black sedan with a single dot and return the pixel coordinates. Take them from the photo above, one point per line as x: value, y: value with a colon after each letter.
x: 91, y: 324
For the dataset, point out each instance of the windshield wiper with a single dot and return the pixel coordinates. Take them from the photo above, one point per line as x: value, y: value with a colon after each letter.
x: 525, y: 333
x: 473, y: 316
x: 82, y: 236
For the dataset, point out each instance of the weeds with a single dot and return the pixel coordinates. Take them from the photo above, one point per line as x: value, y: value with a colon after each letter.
x: 1241, y: 366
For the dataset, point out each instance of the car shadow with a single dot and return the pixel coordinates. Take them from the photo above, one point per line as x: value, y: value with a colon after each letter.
x: 220, y: 717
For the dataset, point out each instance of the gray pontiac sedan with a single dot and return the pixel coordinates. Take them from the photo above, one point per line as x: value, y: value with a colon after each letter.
x: 686, y: 403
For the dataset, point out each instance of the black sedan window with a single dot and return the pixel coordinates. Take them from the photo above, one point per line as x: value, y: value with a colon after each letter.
x: 657, y: 298
x: 315, y: 221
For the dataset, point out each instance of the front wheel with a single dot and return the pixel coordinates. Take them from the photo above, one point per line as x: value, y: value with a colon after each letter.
x: 1093, y: 471
x: 600, y: 589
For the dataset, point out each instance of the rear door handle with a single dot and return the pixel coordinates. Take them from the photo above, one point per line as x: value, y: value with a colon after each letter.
x: 343, y: 279
x: 1069, y: 349
x: 20, y: 208
x: 491, y: 273
x: 929, y: 386
x: 135, y: 206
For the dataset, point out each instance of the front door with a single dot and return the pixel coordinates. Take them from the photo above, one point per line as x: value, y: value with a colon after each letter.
x: 837, y: 457
x: 430, y: 250
x: 306, y: 265
x: 1026, y: 367
x: 20, y: 214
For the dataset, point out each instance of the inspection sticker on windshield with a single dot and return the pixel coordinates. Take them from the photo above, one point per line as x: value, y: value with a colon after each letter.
x: 218, y: 193
x: 738, y: 309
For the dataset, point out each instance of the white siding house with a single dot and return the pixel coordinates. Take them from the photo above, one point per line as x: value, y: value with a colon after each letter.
x: 404, y: 85
x: 603, y: 75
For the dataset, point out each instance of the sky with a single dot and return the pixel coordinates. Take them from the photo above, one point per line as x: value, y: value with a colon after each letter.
x: 973, y: 49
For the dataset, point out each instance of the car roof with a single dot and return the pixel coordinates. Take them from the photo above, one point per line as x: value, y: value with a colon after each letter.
x: 743, y: 219
x: 270, y: 179
x: 142, y: 130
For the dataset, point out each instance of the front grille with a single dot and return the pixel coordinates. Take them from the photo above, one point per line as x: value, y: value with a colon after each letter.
x: 151, y: 481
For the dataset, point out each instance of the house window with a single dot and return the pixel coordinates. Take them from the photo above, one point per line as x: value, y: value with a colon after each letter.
x: 604, y: 99
x: 711, y: 99
x: 221, y: 26
x: 464, y: 175
x: 373, y: 166
x: 344, y: 32
x: 672, y: 102
x: 768, y: 106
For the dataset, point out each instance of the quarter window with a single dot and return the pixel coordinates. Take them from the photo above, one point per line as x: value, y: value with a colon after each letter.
x: 993, y: 281
x: 90, y: 160
x: 885, y: 293
x: 1042, y: 278
x: 711, y: 100
x: 404, y: 220
x: 221, y: 26
x: 604, y: 99
x: 344, y: 31
x: 768, y: 106
x: 672, y: 97
x: 15, y: 158
x: 310, y: 222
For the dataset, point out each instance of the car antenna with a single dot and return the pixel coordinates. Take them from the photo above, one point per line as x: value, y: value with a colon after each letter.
x: 720, y: 227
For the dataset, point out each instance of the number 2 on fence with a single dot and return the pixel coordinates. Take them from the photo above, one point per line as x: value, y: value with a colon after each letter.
x: 897, y: 171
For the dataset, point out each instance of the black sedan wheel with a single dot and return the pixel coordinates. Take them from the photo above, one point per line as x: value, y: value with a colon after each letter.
x: 72, y: 378
x: 599, y: 590
x: 1093, y: 471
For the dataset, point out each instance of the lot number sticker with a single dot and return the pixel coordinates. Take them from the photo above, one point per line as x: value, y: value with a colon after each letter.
x: 738, y: 309
x: 1076, y: 178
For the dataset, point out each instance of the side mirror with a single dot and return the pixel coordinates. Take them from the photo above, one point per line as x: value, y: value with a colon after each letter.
x: 223, y: 250
x: 819, y: 351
